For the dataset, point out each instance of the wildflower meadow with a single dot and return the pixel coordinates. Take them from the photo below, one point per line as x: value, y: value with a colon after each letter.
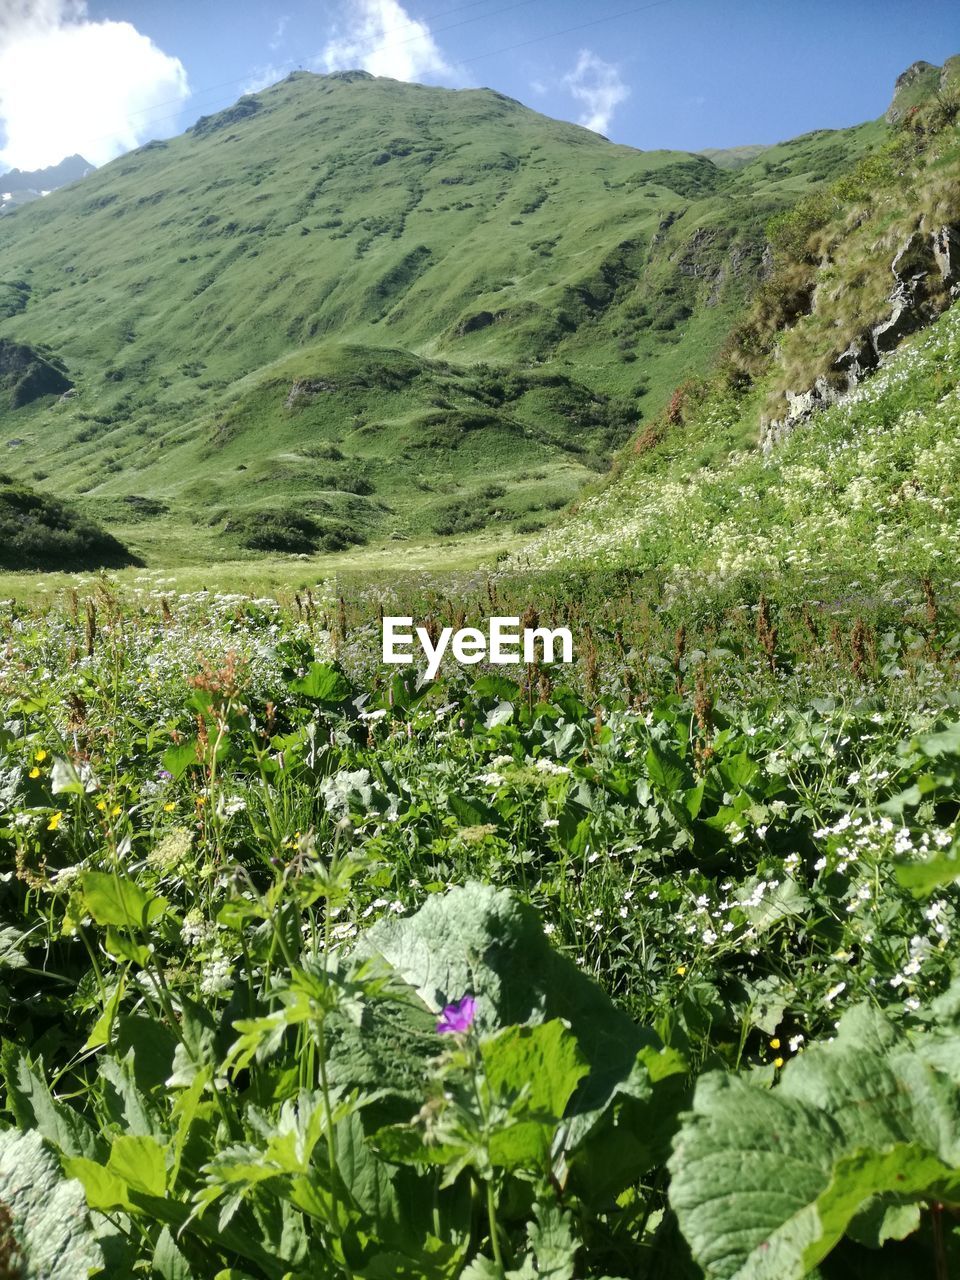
x: 644, y: 966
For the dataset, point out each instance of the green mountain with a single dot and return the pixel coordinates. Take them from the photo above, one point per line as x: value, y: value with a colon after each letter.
x: 348, y: 309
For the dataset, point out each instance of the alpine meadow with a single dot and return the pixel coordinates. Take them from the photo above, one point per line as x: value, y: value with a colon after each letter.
x: 321, y: 963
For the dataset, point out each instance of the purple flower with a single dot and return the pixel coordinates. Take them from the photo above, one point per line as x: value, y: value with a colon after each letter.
x: 165, y: 775
x: 457, y: 1017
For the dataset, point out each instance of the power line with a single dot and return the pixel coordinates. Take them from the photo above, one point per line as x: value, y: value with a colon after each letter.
x: 596, y: 22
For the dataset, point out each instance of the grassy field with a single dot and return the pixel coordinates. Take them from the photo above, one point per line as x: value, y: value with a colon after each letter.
x: 278, y: 577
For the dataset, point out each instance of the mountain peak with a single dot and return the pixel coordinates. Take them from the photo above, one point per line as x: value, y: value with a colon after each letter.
x: 918, y: 84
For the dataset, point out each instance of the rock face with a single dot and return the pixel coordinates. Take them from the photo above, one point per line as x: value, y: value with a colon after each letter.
x: 926, y: 269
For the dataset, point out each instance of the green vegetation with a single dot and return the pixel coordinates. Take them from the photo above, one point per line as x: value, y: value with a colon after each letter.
x: 482, y: 296
x: 261, y: 1018
x: 643, y: 968
x: 36, y: 532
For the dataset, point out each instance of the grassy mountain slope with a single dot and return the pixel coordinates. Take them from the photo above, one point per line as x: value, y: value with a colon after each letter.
x: 867, y: 480
x: 869, y: 487
x: 335, y: 222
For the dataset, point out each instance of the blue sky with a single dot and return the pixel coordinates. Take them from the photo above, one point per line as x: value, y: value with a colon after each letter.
x: 679, y: 73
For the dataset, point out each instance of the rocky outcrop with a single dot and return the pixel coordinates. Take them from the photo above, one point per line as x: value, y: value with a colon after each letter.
x: 306, y: 389
x: 918, y: 82
x: 926, y: 272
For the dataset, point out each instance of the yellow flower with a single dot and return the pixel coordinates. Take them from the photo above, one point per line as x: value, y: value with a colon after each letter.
x: 778, y: 1063
x: 34, y: 772
x: 102, y: 806
x: 169, y: 807
x: 54, y: 821
x: 116, y: 811
x: 775, y: 1042
x: 681, y: 969
x: 40, y: 756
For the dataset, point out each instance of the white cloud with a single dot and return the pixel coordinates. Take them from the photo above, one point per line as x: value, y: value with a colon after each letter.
x: 280, y: 32
x: 382, y: 38
x: 264, y: 77
x: 70, y: 85
x: 598, y: 85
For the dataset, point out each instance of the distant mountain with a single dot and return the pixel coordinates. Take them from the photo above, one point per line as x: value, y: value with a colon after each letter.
x: 351, y: 309
x: 19, y: 188
x: 734, y: 158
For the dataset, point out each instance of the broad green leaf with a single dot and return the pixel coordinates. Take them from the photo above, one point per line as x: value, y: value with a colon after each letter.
x: 140, y: 1163
x: 178, y: 759
x: 50, y: 1219
x: 553, y: 1242
x: 484, y: 940
x: 123, y: 948
x: 496, y: 687
x: 11, y: 943
x: 104, y: 1190
x: 610, y: 1148
x: 324, y: 683
x: 65, y: 779
x: 502, y: 713
x: 168, y: 1262
x: 34, y: 1107
x: 543, y: 1063
x: 751, y: 1164
x: 666, y: 771
x: 905, y: 1172
x: 112, y: 898
x: 944, y: 742
x: 532, y: 1071
x: 471, y: 813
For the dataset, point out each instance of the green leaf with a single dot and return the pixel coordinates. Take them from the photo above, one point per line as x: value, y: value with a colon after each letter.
x: 532, y: 1071
x: 502, y: 713
x: 64, y: 778
x: 140, y: 1163
x: 553, y: 1242
x: 178, y: 759
x: 905, y: 1172
x: 112, y: 898
x: 666, y: 771
x: 34, y: 1107
x: 168, y: 1262
x: 544, y: 1063
x: 922, y: 878
x: 751, y: 1166
x: 11, y: 943
x: 471, y: 813
x: 104, y: 1190
x: 100, y: 1035
x: 50, y: 1219
x: 496, y: 687
x: 323, y: 683
x: 612, y: 1147
x: 480, y: 939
